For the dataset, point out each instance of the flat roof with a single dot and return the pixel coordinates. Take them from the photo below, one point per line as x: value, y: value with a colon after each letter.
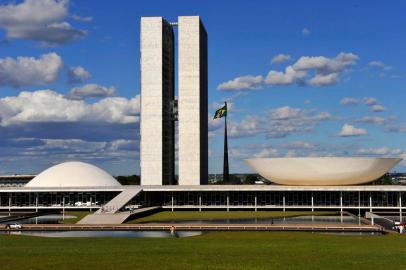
x: 209, y: 188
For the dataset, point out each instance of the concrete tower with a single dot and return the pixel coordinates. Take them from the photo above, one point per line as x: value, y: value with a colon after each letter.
x: 157, y: 95
x: 192, y: 74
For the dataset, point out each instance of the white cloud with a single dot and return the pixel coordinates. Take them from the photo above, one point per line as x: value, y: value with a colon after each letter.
x: 280, y: 58
x: 378, y: 108
x: 277, y: 123
x: 369, y: 101
x: 290, y: 76
x: 327, y: 70
x: 305, y: 32
x: 308, y: 70
x: 284, y: 113
x: 379, y: 64
x: 379, y: 151
x: 372, y: 120
x: 267, y: 152
x: 299, y: 145
x: 49, y: 106
x: 324, y: 80
x: 122, y: 144
x: 39, y: 20
x: 78, y: 74
x: 349, y: 101
x: 91, y: 90
x: 349, y: 131
x: 291, y: 153
x: 25, y: 71
x: 82, y: 19
x: 242, y: 83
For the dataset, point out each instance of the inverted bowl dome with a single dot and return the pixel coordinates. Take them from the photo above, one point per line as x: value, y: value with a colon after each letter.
x: 73, y: 174
x: 323, y: 171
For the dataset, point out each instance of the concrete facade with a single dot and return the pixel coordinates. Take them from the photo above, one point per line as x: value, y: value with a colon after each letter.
x: 193, y: 118
x: 157, y: 160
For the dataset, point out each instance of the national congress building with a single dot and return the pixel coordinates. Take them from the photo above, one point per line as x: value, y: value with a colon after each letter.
x: 303, y: 183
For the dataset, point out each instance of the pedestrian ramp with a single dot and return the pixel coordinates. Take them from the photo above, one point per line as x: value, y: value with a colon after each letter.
x: 113, y: 218
x: 119, y: 201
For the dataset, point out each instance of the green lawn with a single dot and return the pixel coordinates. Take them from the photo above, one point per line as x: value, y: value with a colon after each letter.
x: 220, y: 250
x: 196, y: 215
x: 79, y: 215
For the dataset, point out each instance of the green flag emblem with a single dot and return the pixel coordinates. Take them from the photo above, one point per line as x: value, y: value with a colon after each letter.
x: 221, y: 112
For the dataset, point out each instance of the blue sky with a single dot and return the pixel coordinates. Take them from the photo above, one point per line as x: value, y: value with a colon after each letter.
x: 303, y: 78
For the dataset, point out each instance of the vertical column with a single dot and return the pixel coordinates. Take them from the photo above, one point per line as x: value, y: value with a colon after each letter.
x: 228, y: 203
x: 255, y: 201
x: 400, y: 207
x: 200, y: 202
x: 283, y: 202
x: 36, y: 202
x: 312, y: 202
x: 63, y: 208
x: 172, y: 201
x: 9, y: 204
x: 157, y: 93
x: 193, y: 137
x: 359, y: 207
x: 370, y: 202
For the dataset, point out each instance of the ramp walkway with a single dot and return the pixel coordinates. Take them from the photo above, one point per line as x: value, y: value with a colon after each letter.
x: 119, y: 201
x: 113, y: 218
x: 109, y: 213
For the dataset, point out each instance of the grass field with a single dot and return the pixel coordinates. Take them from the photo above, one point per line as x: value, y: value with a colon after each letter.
x: 220, y: 250
x: 196, y: 215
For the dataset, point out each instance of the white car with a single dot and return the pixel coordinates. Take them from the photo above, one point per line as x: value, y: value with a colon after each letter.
x: 15, y: 226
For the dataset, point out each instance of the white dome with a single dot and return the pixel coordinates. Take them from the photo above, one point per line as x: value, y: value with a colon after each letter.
x: 73, y: 174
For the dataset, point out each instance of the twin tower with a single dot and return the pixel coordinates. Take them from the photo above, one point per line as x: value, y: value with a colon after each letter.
x: 160, y: 109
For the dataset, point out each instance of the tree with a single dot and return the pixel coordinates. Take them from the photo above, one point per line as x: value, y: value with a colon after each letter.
x: 129, y: 179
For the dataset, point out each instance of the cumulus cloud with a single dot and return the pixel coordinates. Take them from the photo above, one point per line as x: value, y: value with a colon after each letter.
x: 350, y: 131
x: 27, y: 71
x: 327, y: 70
x: 267, y: 152
x: 290, y: 76
x: 372, y: 120
x: 379, y: 151
x: 305, y: 32
x: 91, y: 90
x: 379, y: 64
x: 78, y: 74
x: 378, y: 108
x: 300, y: 145
x: 241, y: 83
x: 369, y: 101
x: 280, y: 58
x: 308, y: 70
x: 278, y: 123
x: 82, y: 19
x: 39, y: 20
x: 49, y: 106
x: 349, y: 101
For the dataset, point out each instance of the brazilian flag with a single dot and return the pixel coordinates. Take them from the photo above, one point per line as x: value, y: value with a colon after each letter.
x: 222, y: 112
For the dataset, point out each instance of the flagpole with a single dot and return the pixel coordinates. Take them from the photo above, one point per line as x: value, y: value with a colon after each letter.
x: 225, y: 164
